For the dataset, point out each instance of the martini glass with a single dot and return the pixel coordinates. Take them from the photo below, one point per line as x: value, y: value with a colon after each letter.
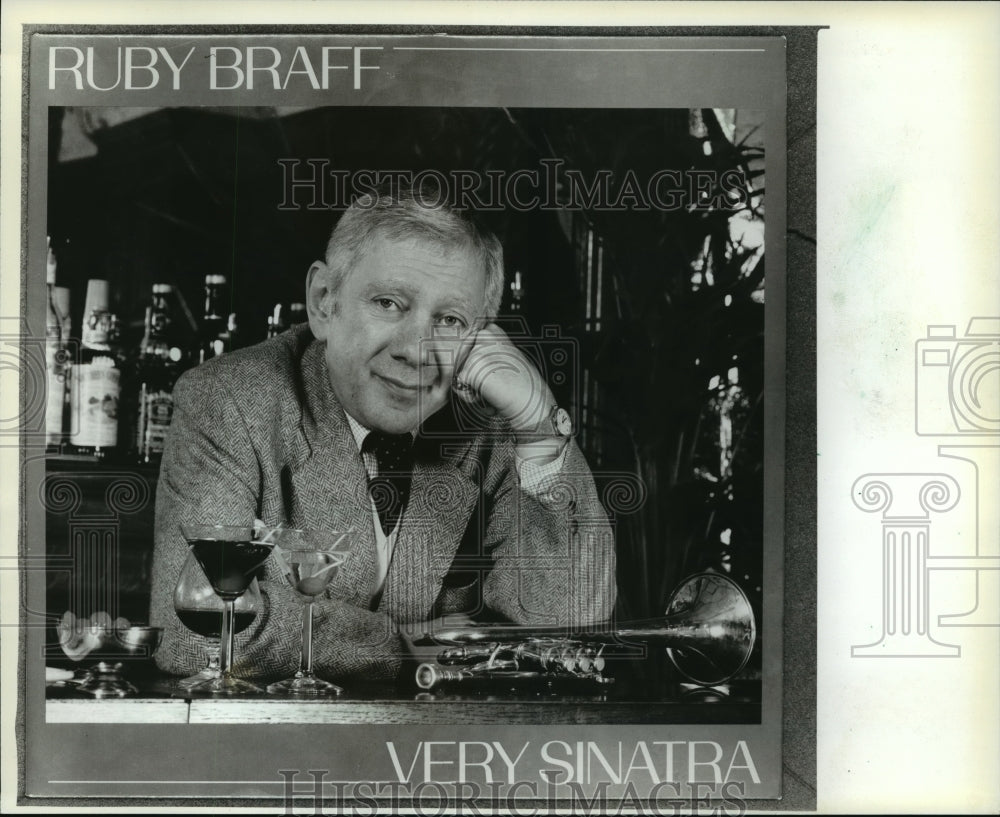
x: 201, y: 611
x: 308, y: 560
x: 230, y: 557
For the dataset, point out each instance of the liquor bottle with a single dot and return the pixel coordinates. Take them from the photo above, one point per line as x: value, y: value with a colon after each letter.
x: 60, y: 298
x: 297, y: 314
x: 276, y: 322
x: 96, y: 379
x: 55, y: 401
x: 213, y: 322
x: 61, y: 301
x: 516, y: 293
x: 231, y: 337
x: 156, y: 370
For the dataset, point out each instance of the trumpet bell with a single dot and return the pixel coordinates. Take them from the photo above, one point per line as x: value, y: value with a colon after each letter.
x: 711, y: 629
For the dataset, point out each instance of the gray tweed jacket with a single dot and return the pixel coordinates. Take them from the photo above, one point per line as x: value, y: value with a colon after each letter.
x: 259, y: 433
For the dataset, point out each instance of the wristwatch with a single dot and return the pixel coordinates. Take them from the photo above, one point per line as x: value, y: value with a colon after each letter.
x: 562, y: 425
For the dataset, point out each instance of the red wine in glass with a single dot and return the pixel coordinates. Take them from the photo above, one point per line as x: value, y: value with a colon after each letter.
x: 200, y: 610
x: 230, y: 558
x: 208, y: 623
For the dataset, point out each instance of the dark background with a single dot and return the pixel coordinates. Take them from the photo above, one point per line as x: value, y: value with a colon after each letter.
x: 171, y: 195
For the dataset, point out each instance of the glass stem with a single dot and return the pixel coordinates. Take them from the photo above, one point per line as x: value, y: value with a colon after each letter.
x: 228, y: 617
x: 306, y: 663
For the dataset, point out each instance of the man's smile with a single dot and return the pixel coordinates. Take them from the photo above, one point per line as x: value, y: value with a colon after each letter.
x: 401, y: 387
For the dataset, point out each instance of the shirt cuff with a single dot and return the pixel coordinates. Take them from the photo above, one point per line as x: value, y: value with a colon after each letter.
x: 534, y: 478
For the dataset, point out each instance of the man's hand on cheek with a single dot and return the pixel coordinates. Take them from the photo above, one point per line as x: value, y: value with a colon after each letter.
x: 494, y: 371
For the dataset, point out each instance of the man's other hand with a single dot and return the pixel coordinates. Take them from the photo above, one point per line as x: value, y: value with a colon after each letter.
x: 417, y: 630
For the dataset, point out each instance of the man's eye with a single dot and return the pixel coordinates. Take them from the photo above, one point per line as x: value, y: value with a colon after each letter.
x: 451, y: 321
x: 386, y: 303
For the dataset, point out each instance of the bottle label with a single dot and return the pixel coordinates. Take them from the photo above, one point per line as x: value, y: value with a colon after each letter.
x: 159, y: 323
x: 155, y: 411
x: 97, y: 329
x: 96, y: 388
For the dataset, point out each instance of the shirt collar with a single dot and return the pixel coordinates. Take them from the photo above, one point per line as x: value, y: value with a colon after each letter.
x: 359, y: 432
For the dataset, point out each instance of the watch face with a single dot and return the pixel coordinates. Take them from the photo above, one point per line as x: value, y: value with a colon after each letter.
x: 562, y: 423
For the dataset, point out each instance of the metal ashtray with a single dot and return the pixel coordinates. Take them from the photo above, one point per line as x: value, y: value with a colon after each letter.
x: 108, y: 640
x: 139, y: 639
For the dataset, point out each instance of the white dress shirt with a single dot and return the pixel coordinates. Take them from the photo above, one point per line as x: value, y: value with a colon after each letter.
x: 532, y: 477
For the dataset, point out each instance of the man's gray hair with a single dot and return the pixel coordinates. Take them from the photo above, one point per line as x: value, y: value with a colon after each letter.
x: 404, y: 212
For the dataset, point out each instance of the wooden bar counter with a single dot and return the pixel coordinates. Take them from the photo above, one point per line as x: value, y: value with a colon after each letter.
x: 160, y: 700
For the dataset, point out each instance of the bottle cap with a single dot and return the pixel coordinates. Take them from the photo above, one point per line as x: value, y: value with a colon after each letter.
x: 297, y: 313
x: 214, y: 279
x: 50, y: 262
x: 97, y: 329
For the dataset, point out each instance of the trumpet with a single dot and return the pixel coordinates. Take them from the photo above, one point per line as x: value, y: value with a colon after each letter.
x: 709, y: 632
x: 531, y: 659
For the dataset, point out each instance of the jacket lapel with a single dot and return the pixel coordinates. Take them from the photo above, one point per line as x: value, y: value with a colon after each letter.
x: 328, y: 479
x: 436, y: 515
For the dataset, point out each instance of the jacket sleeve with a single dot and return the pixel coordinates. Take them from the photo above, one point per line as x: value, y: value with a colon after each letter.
x: 211, y: 474
x: 553, y: 548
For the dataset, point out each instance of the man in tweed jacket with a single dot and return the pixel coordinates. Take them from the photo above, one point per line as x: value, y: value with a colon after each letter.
x: 502, y: 520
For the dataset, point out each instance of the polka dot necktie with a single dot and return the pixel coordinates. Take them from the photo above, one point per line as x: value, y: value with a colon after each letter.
x: 391, y: 488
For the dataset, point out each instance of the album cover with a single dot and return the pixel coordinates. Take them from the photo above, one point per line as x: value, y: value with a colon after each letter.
x: 543, y: 256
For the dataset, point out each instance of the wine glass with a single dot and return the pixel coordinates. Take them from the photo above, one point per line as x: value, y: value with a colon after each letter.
x: 230, y: 557
x: 201, y: 610
x: 308, y: 560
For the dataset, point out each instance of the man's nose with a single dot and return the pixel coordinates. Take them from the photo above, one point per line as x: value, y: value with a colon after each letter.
x: 412, y: 341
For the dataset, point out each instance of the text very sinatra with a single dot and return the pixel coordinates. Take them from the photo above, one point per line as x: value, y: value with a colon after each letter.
x: 582, y: 761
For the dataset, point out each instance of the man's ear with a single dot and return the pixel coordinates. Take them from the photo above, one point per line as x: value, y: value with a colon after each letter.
x: 319, y: 298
